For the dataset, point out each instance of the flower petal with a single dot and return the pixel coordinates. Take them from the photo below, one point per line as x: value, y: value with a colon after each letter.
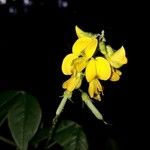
x: 115, y: 75
x: 103, y: 68
x: 80, y: 63
x: 70, y: 84
x: 95, y: 89
x: 91, y: 89
x: 90, y: 71
x: 78, y: 82
x: 80, y: 33
x: 118, y: 58
x: 67, y: 64
x: 91, y: 48
x: 80, y: 45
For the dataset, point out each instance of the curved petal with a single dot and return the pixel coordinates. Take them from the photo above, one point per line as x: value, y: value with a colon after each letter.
x: 70, y: 84
x: 67, y: 64
x: 91, y: 48
x: 80, y: 45
x: 115, y: 75
x: 90, y: 71
x: 95, y: 89
x: 91, y: 89
x: 78, y: 82
x: 80, y: 33
x: 118, y: 58
x: 80, y: 63
x: 103, y: 68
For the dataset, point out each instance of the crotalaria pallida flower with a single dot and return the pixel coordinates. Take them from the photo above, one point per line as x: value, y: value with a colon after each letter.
x: 74, y: 63
x: 98, y: 68
x: 85, y: 61
x: 116, y: 60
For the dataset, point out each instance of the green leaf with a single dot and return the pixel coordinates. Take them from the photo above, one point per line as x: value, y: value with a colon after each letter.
x: 71, y: 136
x: 24, y: 119
x: 7, y: 99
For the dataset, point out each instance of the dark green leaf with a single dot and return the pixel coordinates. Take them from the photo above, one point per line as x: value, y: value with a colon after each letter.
x: 7, y: 99
x: 24, y: 119
x: 71, y: 136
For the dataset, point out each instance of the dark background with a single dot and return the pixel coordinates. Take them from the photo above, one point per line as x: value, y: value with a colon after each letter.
x: 33, y: 42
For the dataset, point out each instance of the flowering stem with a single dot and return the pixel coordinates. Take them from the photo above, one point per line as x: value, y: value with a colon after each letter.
x: 54, y: 122
x: 67, y: 95
x: 61, y: 106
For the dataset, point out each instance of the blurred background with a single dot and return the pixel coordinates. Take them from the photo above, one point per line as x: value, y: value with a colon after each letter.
x: 35, y: 35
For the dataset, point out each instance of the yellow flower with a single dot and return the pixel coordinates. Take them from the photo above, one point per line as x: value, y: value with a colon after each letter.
x: 74, y: 82
x: 116, y: 58
x: 80, y: 63
x: 115, y: 75
x: 67, y: 64
x: 73, y: 64
x: 95, y: 89
x: 80, y: 33
x: 98, y: 68
x: 85, y: 46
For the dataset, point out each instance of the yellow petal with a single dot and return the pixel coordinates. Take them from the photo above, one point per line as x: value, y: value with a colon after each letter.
x: 80, y: 63
x: 98, y: 86
x: 80, y: 33
x: 115, y: 75
x: 91, y: 89
x: 91, y: 48
x: 103, y: 68
x: 118, y: 72
x: 95, y: 89
x: 90, y: 71
x: 80, y: 45
x: 73, y: 83
x: 70, y: 84
x: 78, y: 82
x: 118, y: 58
x: 67, y: 64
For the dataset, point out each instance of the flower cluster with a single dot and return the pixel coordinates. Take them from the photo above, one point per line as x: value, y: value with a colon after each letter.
x: 93, y: 59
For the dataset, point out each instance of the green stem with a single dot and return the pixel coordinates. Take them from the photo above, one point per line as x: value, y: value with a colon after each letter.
x: 55, y: 120
x: 7, y: 141
x: 61, y: 106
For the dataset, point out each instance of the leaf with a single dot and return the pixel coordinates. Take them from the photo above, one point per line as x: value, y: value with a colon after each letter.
x: 71, y: 136
x: 7, y: 99
x: 24, y: 119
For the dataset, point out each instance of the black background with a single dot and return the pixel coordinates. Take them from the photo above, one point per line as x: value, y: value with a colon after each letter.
x: 33, y: 45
